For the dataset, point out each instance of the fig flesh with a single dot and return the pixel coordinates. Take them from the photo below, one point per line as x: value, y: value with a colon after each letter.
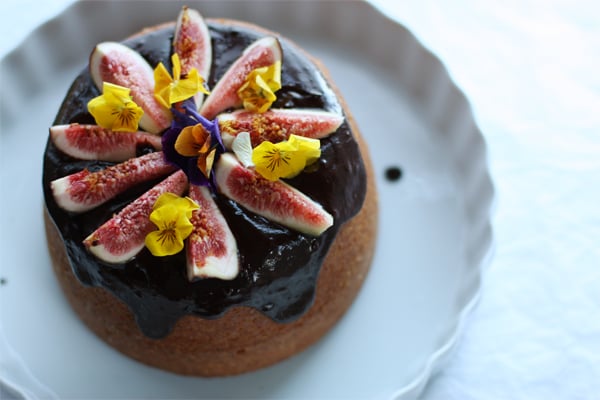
x: 275, y: 200
x: 120, y: 238
x: 85, y: 190
x: 276, y: 125
x: 211, y: 248
x: 118, y: 64
x: 261, y: 53
x: 193, y: 45
x: 93, y: 142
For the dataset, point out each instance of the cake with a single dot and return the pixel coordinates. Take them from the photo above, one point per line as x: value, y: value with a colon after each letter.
x: 210, y: 202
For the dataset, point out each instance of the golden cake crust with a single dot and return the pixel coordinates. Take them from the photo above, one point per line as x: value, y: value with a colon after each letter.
x: 242, y: 339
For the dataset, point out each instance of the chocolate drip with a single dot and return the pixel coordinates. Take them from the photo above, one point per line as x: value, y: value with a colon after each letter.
x: 279, y: 266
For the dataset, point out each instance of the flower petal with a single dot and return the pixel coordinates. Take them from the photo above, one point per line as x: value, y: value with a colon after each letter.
x: 172, y: 217
x: 162, y: 85
x: 114, y: 109
x: 183, y: 205
x: 242, y: 148
x: 258, y: 91
x: 309, y: 148
x: 186, y: 143
x: 274, y: 161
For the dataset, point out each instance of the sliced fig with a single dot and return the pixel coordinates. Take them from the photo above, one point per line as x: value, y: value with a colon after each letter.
x: 93, y: 142
x: 211, y: 248
x: 122, y: 237
x: 262, y: 53
x: 118, y: 64
x: 85, y: 190
x: 193, y: 45
x: 276, y: 125
x: 275, y: 200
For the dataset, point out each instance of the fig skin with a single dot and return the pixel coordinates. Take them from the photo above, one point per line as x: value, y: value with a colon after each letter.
x: 122, y: 237
x: 92, y: 142
x: 192, y: 43
x: 211, y: 248
x: 277, y: 125
x: 118, y: 64
x: 85, y: 190
x: 275, y: 200
x: 261, y: 53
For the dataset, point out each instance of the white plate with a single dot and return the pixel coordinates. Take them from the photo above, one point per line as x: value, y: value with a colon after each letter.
x: 434, y: 228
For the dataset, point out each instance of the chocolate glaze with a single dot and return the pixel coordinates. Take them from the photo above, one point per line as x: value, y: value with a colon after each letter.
x: 279, y: 266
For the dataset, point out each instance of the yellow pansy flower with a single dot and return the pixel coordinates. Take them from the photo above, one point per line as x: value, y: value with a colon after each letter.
x: 285, y: 159
x: 171, y: 214
x: 258, y: 90
x: 115, y: 109
x: 169, y: 90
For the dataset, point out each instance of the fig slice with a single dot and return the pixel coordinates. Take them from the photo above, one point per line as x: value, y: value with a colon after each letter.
x: 193, y: 45
x: 276, y: 125
x: 118, y: 64
x: 120, y: 238
x: 211, y: 248
x: 275, y: 200
x: 85, y: 190
x: 93, y: 142
x: 261, y: 53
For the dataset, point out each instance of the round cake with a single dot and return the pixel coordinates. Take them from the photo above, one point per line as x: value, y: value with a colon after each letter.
x: 210, y: 203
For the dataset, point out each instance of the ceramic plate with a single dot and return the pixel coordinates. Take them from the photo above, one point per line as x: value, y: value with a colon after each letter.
x: 434, y: 232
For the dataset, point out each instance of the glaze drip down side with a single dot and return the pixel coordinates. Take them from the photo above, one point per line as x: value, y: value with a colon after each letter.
x: 278, y: 266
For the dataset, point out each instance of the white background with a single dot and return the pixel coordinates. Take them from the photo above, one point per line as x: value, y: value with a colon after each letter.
x: 531, y: 70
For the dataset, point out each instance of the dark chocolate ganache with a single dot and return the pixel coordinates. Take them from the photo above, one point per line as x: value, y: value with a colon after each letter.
x: 279, y: 267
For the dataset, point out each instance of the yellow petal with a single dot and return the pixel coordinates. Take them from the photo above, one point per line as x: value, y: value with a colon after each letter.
x: 273, y: 76
x: 98, y: 108
x: 274, y: 161
x: 173, y: 227
x: 186, y: 143
x: 163, y: 243
x: 185, y: 88
x: 194, y: 76
x: 258, y: 90
x: 164, y: 199
x: 205, y: 162
x: 162, y: 85
x: 309, y: 148
x: 128, y: 118
x: 183, y: 204
x: 295, y: 160
x: 176, y: 66
x: 162, y: 78
x: 119, y: 92
x: 187, y: 206
x: 285, y: 159
x: 114, y: 109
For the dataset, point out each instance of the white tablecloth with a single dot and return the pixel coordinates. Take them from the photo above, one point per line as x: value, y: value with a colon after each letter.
x: 531, y: 69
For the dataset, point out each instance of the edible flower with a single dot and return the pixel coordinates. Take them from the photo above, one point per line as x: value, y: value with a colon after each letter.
x: 115, y: 109
x: 242, y: 148
x: 198, y: 149
x: 285, y: 159
x: 169, y: 90
x: 258, y: 90
x: 195, y: 141
x: 171, y: 214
